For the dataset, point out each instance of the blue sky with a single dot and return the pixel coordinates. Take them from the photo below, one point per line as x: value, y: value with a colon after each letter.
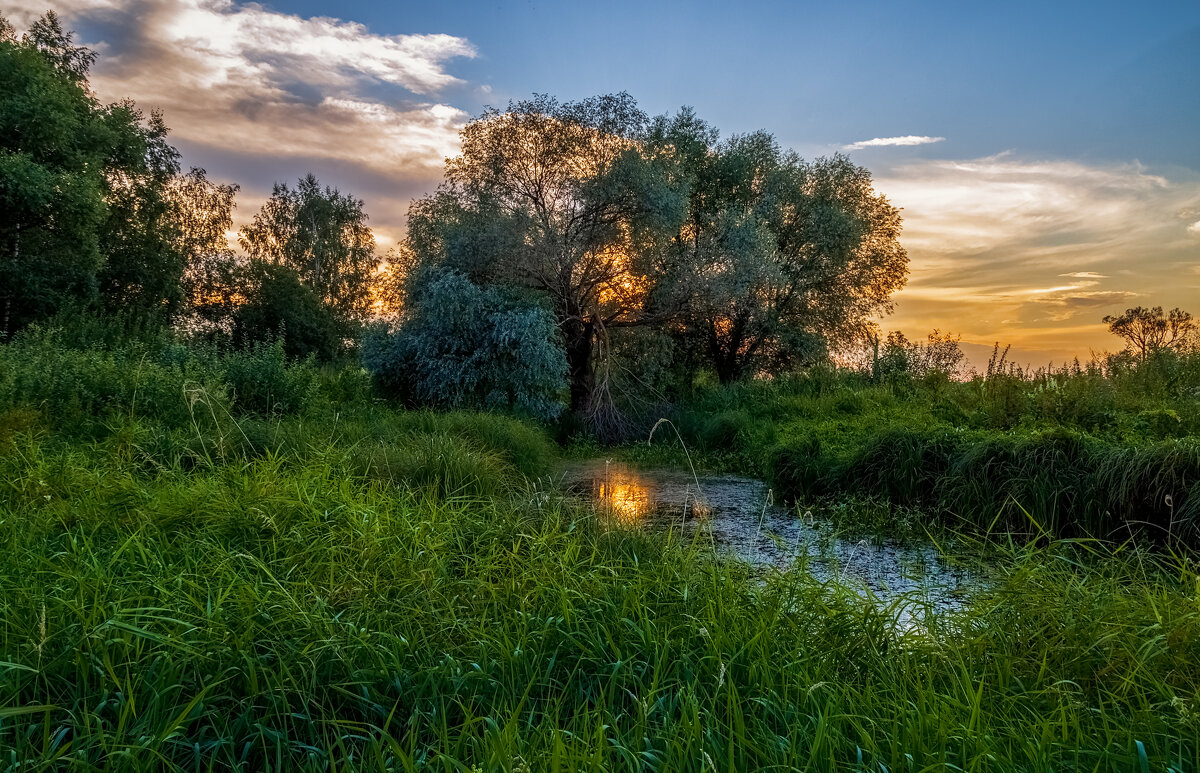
x: 1055, y: 175
x: 1107, y: 81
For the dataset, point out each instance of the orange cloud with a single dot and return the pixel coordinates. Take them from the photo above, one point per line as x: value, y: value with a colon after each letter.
x: 991, y: 241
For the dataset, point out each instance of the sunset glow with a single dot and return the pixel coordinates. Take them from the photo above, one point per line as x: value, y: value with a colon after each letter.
x: 1013, y: 235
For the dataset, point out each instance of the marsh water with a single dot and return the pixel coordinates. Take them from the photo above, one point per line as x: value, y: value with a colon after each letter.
x: 738, y: 517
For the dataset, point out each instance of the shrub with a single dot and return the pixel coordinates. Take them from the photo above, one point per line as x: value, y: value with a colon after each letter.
x: 262, y: 381
x: 279, y: 306
x: 465, y: 346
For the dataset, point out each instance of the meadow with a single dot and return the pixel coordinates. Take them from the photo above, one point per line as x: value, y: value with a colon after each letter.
x: 218, y: 560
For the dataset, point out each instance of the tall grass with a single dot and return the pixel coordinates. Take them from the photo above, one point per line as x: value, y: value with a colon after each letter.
x: 215, y: 561
x: 1084, y: 453
x: 280, y: 615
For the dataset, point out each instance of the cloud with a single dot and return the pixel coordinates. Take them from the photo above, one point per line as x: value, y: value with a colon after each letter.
x: 246, y: 87
x: 1194, y: 228
x: 991, y: 241
x: 885, y: 142
x: 1062, y: 306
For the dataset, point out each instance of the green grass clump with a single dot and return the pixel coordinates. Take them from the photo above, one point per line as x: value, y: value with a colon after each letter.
x: 1077, y: 453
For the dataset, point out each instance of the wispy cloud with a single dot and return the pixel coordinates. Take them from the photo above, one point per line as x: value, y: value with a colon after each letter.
x: 257, y: 91
x: 886, y: 142
x: 992, y: 239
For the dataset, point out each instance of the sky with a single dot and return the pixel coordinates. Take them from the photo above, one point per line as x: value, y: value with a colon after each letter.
x: 1046, y: 155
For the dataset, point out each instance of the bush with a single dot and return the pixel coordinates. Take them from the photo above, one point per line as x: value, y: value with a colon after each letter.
x: 279, y: 306
x: 261, y: 380
x: 74, y: 389
x: 465, y: 346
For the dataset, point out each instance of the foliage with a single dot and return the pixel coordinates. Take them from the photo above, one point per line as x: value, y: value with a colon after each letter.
x: 144, y: 260
x: 56, y: 143
x: 940, y: 353
x: 777, y: 256
x: 749, y: 257
x: 558, y: 198
x: 322, y: 235
x: 1079, y: 451
x: 95, y: 207
x: 1149, y: 331
x: 262, y: 381
x: 278, y: 305
x: 462, y: 345
x: 203, y: 214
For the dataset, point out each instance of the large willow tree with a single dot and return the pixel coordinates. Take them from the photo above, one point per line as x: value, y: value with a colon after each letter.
x: 779, y: 256
x: 750, y: 257
x: 562, y: 199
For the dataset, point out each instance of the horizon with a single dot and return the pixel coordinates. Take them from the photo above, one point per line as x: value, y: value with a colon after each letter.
x: 1039, y: 192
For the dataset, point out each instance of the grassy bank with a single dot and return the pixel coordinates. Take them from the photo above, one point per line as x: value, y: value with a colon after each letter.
x: 1112, y: 455
x: 219, y: 561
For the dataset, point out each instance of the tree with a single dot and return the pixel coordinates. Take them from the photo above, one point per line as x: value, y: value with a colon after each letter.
x: 561, y: 199
x: 56, y: 45
x: 750, y: 258
x: 278, y: 306
x: 940, y: 353
x: 780, y: 256
x: 1147, y: 331
x: 55, y: 142
x: 202, y: 213
x: 323, y: 236
x: 462, y: 345
x: 144, y: 260
x: 84, y: 188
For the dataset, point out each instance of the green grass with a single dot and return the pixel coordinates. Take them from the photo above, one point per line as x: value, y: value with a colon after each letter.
x: 1078, y: 453
x: 282, y: 614
x: 230, y: 562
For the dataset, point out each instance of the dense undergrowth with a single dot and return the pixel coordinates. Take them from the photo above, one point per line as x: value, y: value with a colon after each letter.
x: 1110, y: 454
x: 218, y: 560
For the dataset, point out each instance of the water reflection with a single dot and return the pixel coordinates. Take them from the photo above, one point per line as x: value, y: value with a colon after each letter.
x: 738, y: 518
x: 628, y: 498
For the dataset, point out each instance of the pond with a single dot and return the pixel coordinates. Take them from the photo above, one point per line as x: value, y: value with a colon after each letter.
x: 739, y: 518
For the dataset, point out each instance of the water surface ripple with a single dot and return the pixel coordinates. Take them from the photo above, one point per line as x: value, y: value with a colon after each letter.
x: 739, y: 518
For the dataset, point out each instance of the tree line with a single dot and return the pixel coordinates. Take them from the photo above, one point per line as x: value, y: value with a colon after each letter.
x: 577, y: 254
x: 99, y: 215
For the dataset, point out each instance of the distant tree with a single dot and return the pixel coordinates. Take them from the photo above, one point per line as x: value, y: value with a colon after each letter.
x: 277, y: 306
x: 1147, y: 331
x: 893, y: 355
x: 390, y: 286
x: 202, y: 214
x: 561, y: 199
x: 462, y: 345
x: 779, y: 256
x: 939, y: 353
x: 322, y: 234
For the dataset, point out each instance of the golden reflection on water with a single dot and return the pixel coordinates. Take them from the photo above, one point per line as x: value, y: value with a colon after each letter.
x: 627, y: 499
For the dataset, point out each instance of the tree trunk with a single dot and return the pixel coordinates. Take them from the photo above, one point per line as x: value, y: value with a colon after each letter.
x: 580, y: 337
